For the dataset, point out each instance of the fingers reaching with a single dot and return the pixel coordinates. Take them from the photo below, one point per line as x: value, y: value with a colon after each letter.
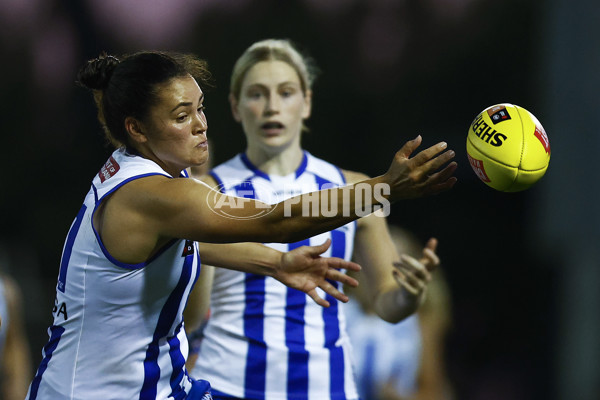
x: 317, y: 299
x: 338, y: 263
x: 335, y: 275
x: 430, y: 258
x: 431, y: 157
x: 412, y: 274
x: 409, y: 147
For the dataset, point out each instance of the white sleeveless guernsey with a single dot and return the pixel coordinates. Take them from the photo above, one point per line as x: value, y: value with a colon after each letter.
x: 118, y: 328
x: 264, y: 340
x: 384, y: 352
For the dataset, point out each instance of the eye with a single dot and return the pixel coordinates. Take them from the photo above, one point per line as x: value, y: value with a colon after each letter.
x: 254, y: 94
x: 287, y: 92
x: 201, y: 108
x: 181, y: 118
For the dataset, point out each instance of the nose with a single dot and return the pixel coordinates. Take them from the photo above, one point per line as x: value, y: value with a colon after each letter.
x: 273, y: 104
x: 200, y: 122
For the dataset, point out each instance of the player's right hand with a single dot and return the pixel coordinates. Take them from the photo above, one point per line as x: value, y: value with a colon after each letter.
x: 420, y: 175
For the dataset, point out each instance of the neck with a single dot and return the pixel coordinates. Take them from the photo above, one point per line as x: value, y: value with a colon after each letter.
x: 172, y: 170
x: 277, y: 162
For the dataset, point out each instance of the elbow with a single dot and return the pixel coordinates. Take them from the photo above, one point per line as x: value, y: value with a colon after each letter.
x: 392, y: 307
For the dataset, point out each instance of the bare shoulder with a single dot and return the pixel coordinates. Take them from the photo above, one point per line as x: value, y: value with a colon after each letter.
x: 354, y: 176
x: 209, y: 180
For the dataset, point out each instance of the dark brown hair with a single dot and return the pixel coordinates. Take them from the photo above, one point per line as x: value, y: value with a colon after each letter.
x: 128, y: 86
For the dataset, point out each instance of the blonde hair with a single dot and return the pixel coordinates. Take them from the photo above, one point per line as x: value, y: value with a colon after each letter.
x: 273, y: 50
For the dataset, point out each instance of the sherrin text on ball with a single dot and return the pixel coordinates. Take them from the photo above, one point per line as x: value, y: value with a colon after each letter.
x: 508, y: 147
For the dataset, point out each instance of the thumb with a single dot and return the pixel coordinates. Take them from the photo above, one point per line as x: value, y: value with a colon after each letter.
x: 319, y: 249
x: 431, y: 244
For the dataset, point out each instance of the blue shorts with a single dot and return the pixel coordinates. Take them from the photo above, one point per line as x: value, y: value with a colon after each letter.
x: 200, y: 391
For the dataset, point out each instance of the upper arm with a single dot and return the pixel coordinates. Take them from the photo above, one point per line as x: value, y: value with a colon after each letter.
x: 144, y: 214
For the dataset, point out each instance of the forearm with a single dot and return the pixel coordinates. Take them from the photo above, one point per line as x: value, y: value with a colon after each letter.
x: 245, y: 257
x: 316, y: 212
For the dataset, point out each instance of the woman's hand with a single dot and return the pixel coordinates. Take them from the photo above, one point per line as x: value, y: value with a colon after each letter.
x: 417, y: 176
x: 414, y: 275
x: 304, y: 269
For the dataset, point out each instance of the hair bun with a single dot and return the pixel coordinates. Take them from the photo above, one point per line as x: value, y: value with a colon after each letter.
x: 96, y: 73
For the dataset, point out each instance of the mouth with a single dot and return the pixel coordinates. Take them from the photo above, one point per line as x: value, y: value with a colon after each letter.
x: 272, y: 127
x: 203, y: 144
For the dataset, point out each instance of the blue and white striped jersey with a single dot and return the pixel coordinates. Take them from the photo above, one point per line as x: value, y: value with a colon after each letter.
x: 118, y: 328
x: 267, y: 341
x: 383, y: 352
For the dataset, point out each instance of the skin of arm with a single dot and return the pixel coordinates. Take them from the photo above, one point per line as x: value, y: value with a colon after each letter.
x: 398, y: 282
x: 435, y: 320
x: 16, y: 361
x: 301, y: 268
x: 198, y: 303
x: 143, y: 215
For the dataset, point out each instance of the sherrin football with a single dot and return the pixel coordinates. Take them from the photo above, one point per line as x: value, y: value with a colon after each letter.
x: 508, y: 147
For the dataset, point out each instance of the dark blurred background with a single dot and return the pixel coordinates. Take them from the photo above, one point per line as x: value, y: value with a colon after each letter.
x: 523, y: 268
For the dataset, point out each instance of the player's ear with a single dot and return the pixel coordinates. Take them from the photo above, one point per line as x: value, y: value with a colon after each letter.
x: 135, y: 130
x: 234, y: 108
x: 307, y: 104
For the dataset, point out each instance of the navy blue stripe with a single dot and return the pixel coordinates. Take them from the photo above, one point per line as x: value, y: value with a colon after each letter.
x: 165, y: 321
x: 254, y: 320
x: 177, y: 362
x: 332, y: 324
x: 66, y: 256
x: 303, y: 165
x: 330, y: 315
x: 55, y: 335
x: 297, y: 373
x: 256, y: 358
x: 366, y: 380
x: 253, y: 168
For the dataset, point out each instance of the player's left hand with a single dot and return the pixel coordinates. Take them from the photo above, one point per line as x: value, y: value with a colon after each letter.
x: 304, y: 269
x: 414, y: 275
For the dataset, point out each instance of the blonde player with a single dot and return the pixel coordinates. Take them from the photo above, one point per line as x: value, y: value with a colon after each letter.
x: 263, y: 340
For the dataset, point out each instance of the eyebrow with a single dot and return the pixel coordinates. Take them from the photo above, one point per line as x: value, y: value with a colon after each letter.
x: 188, y: 103
x: 262, y: 85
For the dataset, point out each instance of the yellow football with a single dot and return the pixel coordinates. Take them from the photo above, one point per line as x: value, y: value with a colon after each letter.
x: 508, y: 148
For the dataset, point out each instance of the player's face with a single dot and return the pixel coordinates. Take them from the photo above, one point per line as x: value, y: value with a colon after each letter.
x: 272, y: 106
x: 176, y: 128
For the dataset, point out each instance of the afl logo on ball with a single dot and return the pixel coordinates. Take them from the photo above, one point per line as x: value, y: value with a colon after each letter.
x: 498, y: 114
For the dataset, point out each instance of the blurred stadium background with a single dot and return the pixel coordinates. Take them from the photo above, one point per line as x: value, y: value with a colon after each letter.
x: 523, y: 268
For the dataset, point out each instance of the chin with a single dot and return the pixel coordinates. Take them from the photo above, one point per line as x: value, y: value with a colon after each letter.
x: 277, y: 143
